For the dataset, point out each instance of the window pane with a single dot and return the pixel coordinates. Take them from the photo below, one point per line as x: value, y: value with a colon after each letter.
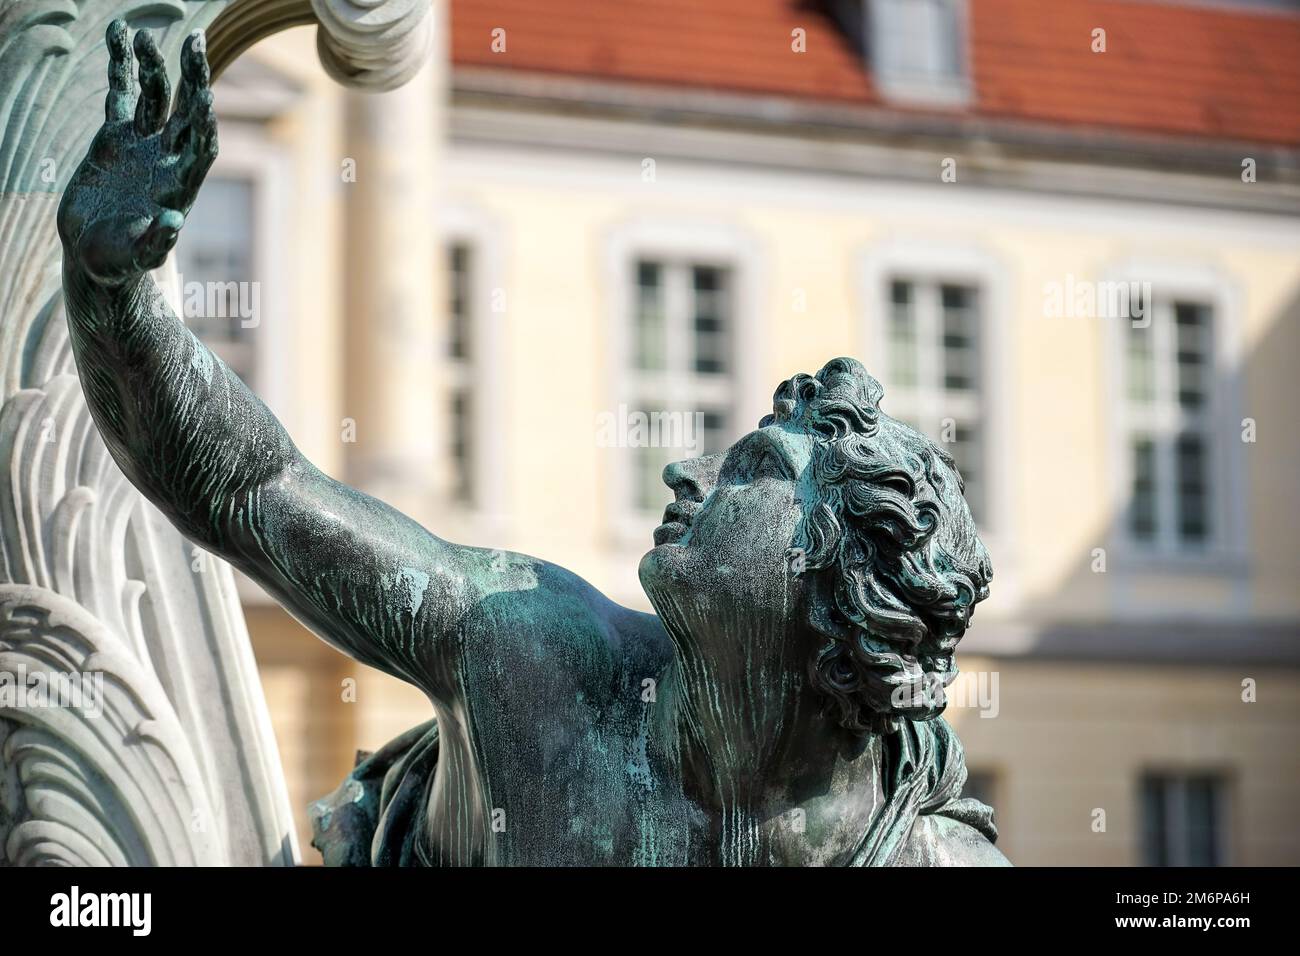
x: 960, y: 338
x: 1140, y: 363
x: 648, y: 431
x: 710, y: 293
x: 648, y: 346
x: 916, y: 38
x: 1192, y: 340
x: 458, y: 288
x: 1193, y: 504
x: 967, y: 451
x: 683, y: 326
x: 1155, y: 849
x: 1142, y: 507
x: 902, y: 334
x: 462, y: 463
x: 1202, y: 822
x: 651, y: 494
x: 1181, y: 819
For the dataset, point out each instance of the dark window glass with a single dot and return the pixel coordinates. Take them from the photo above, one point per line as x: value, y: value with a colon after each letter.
x: 1192, y: 343
x: 1181, y: 819
x: 1193, y: 512
x: 710, y: 293
x: 462, y: 462
x: 960, y: 342
x: 1142, y: 507
x: 458, y: 290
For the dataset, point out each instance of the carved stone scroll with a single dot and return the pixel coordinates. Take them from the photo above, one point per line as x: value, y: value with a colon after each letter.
x: 168, y: 758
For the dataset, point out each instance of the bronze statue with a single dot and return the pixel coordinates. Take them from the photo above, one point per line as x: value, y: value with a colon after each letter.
x: 783, y: 706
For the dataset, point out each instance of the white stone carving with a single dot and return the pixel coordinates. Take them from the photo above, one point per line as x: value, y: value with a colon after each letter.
x: 176, y: 762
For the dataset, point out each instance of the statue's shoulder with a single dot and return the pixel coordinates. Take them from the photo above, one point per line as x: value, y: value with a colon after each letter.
x: 939, y: 840
x: 525, y: 614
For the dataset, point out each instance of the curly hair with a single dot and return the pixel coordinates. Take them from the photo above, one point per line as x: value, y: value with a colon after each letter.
x: 891, y: 540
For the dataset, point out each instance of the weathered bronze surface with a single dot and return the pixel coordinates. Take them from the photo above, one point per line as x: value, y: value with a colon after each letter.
x: 783, y: 706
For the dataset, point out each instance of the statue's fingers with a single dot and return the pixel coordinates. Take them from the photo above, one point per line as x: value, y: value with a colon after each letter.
x: 150, y: 250
x: 195, y: 149
x: 120, y: 103
x: 203, y: 138
x: 177, y: 185
x: 155, y: 90
x: 195, y: 77
x: 194, y: 62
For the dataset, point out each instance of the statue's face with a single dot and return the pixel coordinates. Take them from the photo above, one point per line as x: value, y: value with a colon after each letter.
x: 721, y: 563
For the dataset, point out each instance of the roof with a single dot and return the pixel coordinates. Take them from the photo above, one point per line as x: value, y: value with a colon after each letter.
x: 1176, y: 70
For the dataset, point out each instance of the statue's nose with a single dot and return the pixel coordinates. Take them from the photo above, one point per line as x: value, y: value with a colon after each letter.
x: 693, y: 478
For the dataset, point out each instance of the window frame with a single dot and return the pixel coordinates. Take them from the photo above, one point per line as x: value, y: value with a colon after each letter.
x: 955, y: 90
x: 1226, y: 548
x: 930, y: 401
x: 958, y: 264
x: 459, y: 375
x: 465, y: 223
x: 1182, y: 777
x: 687, y: 242
x: 678, y: 386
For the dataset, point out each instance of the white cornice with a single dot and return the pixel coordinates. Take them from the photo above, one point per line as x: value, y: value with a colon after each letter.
x: 566, y: 113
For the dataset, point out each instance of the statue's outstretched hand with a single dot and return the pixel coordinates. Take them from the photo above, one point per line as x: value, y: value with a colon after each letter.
x: 124, y: 206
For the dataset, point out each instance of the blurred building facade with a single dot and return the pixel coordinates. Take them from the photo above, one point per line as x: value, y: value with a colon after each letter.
x: 593, y: 240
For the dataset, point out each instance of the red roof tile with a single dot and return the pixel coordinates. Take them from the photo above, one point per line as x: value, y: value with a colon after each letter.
x: 1174, y: 69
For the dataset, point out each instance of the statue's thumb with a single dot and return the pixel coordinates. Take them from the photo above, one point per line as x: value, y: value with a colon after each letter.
x: 151, y: 248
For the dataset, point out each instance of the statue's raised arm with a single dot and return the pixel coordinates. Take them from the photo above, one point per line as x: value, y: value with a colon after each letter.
x: 183, y: 427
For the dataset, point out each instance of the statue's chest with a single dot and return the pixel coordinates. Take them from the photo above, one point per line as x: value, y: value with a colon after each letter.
x: 573, y: 782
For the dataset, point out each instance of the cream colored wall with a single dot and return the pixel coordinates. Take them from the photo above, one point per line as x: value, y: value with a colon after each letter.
x: 1067, y: 740
x: 811, y: 234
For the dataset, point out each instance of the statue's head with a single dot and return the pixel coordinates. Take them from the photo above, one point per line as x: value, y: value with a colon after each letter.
x: 832, y: 537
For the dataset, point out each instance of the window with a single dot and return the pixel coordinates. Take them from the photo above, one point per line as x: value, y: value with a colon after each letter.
x: 918, y: 48
x: 1168, y: 393
x: 933, y: 339
x: 460, y: 288
x: 1182, y: 820
x: 681, y: 367
x: 215, y: 261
